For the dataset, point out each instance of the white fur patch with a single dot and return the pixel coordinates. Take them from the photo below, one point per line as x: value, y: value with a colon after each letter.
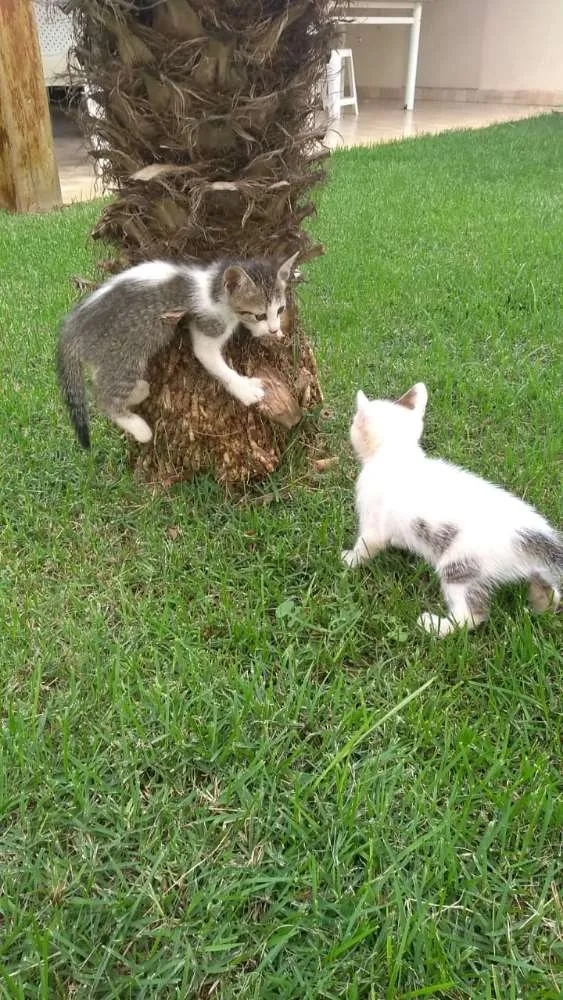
x: 150, y: 272
x: 202, y: 278
x: 274, y: 321
x: 153, y: 271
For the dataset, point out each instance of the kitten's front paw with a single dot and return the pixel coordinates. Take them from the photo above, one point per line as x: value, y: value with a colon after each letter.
x: 248, y: 391
x: 350, y: 558
x: 435, y: 625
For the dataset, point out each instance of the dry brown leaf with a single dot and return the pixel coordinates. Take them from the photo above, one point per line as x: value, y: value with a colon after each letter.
x: 83, y: 284
x: 157, y: 170
x: 325, y: 463
x: 178, y: 19
x: 173, y: 317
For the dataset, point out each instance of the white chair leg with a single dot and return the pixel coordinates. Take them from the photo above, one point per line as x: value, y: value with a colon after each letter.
x: 333, y: 84
x: 347, y: 96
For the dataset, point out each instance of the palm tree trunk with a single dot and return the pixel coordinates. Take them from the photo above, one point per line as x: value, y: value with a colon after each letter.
x: 208, y: 136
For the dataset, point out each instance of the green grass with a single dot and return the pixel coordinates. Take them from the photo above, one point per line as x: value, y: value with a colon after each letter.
x: 228, y: 767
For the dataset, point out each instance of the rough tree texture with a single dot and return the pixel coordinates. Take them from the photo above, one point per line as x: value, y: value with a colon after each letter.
x: 208, y: 136
x: 29, y: 179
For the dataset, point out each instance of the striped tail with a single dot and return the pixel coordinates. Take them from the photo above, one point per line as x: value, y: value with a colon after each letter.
x: 71, y: 383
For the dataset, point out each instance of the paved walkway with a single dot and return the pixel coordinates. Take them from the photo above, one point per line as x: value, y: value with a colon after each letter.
x: 383, y: 122
x: 377, y: 122
x: 76, y: 170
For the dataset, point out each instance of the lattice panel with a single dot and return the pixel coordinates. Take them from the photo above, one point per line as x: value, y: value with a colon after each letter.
x: 54, y: 29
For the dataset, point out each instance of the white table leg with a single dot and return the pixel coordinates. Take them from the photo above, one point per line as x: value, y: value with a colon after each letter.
x: 413, y: 56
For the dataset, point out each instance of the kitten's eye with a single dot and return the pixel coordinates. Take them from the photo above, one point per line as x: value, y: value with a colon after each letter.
x: 260, y: 317
x: 280, y: 310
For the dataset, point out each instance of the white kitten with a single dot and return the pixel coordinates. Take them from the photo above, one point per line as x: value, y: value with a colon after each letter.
x: 474, y: 534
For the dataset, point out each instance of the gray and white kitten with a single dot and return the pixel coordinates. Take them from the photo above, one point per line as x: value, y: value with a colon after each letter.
x: 118, y: 328
x: 474, y: 534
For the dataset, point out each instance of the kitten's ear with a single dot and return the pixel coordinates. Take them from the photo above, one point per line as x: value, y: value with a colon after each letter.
x: 361, y: 401
x: 362, y: 405
x: 284, y: 272
x: 415, y: 399
x: 235, y: 277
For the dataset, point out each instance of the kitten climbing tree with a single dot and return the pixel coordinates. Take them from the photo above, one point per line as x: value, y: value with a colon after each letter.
x: 205, y: 127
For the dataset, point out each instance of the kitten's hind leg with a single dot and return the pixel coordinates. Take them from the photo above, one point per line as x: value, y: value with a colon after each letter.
x: 543, y: 593
x: 139, y: 393
x: 133, y: 424
x: 364, y: 549
x: 467, y: 604
x: 114, y: 398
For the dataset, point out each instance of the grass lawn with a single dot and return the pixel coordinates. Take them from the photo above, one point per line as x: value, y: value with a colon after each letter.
x: 229, y: 768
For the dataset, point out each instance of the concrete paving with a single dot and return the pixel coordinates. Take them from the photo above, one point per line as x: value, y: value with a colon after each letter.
x: 76, y: 167
x: 380, y: 121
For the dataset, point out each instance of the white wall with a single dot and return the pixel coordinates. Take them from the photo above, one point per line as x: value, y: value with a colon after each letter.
x: 496, y: 46
x: 523, y: 45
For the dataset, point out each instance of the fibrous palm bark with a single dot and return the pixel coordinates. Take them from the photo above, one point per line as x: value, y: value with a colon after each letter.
x: 206, y: 131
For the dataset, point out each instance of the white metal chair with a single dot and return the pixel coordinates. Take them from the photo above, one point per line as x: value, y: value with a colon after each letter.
x: 341, y: 77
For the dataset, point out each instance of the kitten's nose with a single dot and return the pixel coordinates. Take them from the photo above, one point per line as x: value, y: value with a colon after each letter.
x: 277, y: 333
